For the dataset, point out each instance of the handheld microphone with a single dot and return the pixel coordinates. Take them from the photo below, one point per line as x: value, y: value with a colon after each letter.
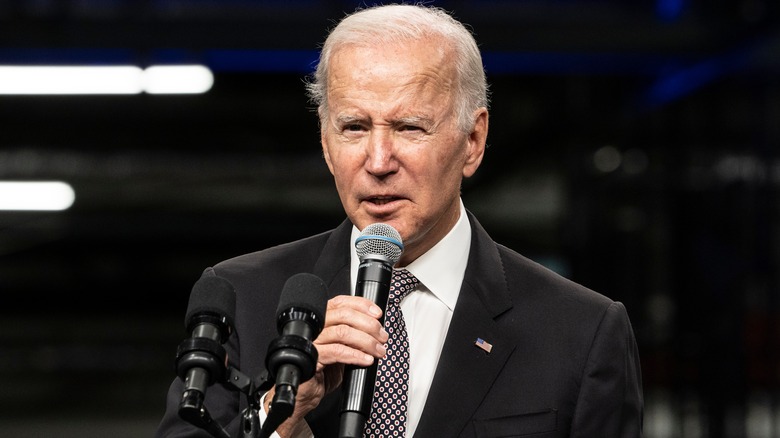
x: 292, y: 358
x: 201, y: 360
x: 379, y: 247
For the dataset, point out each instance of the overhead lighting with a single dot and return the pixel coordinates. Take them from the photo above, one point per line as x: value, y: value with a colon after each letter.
x: 70, y: 80
x: 36, y: 195
x: 177, y: 79
x: 80, y: 80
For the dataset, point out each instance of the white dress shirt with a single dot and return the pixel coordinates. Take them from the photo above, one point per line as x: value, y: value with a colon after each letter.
x: 427, y: 310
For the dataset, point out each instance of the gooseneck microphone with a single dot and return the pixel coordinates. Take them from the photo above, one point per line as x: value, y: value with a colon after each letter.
x: 292, y: 358
x: 201, y: 360
x: 379, y: 247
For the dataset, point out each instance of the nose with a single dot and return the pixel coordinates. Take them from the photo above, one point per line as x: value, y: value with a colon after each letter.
x: 381, y: 159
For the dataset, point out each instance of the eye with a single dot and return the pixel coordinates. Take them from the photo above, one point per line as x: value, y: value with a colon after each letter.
x: 412, y: 125
x: 350, y: 127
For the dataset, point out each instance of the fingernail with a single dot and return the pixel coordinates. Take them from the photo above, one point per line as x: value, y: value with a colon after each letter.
x: 375, y: 310
x: 381, y: 349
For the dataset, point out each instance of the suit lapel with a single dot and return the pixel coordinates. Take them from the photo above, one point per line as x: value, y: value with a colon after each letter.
x: 466, y: 372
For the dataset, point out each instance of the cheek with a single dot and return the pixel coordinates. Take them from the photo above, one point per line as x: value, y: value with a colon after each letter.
x: 344, y: 175
x: 449, y: 169
x: 334, y: 159
x: 340, y: 178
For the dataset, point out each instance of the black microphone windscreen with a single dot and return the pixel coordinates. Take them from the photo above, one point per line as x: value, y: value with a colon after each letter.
x: 212, y: 294
x: 306, y: 291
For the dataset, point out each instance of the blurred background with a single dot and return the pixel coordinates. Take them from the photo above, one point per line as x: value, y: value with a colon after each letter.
x: 633, y: 148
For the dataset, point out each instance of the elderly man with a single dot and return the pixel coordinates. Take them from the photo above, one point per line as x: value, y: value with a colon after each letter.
x: 497, y: 344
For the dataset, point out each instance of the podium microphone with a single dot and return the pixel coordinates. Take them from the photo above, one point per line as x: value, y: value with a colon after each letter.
x: 379, y: 247
x: 292, y: 358
x: 201, y: 360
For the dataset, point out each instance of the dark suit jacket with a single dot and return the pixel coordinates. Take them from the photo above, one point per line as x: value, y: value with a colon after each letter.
x: 564, y: 361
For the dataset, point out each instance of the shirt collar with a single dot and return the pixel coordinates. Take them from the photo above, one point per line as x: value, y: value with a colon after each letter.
x: 442, y: 268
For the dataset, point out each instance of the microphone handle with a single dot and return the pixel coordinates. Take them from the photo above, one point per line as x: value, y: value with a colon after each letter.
x: 373, y: 283
x: 198, y: 378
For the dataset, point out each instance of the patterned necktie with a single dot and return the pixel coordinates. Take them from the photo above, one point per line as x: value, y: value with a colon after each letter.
x: 388, y: 410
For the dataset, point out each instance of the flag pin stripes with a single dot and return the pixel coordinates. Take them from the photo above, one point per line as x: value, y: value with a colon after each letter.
x: 484, y: 345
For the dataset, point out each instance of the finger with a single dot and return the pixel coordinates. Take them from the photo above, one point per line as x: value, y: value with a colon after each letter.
x: 359, y: 304
x: 355, y: 312
x: 330, y: 354
x: 352, y: 341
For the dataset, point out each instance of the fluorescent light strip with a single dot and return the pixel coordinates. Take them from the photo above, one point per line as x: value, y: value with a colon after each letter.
x: 64, y: 80
x: 177, y: 79
x: 36, y: 195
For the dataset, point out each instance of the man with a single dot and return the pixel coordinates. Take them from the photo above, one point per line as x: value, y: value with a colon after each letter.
x: 499, y: 346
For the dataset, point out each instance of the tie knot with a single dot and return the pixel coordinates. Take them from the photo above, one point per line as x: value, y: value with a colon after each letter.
x: 403, y: 282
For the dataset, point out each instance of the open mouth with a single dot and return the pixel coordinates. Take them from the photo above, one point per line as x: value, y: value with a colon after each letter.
x: 382, y: 200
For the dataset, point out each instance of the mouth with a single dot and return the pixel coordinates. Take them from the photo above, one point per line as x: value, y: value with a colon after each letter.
x: 382, y: 205
x: 381, y: 200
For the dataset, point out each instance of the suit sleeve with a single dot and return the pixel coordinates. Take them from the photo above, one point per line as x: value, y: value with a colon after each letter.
x: 610, y: 402
x: 221, y: 402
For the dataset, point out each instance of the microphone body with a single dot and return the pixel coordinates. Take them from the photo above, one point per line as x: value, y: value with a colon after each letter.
x: 379, y: 248
x: 202, y: 366
x: 201, y: 360
x: 292, y: 358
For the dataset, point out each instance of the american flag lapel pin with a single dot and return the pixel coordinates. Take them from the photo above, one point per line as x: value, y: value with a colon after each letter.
x: 483, y: 344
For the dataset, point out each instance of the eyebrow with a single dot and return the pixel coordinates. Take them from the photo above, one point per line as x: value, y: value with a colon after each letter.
x: 346, y: 119
x: 413, y: 120
x: 408, y: 120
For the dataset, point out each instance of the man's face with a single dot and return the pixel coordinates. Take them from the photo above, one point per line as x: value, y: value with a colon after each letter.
x: 392, y: 143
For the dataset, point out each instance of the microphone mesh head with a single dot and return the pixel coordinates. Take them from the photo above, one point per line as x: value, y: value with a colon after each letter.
x: 380, y: 239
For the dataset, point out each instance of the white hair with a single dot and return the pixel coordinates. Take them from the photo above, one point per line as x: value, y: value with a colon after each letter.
x: 383, y: 25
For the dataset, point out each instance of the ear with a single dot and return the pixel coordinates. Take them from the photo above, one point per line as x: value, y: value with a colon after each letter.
x: 476, y: 143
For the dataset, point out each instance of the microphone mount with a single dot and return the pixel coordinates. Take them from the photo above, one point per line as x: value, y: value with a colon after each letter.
x: 193, y: 410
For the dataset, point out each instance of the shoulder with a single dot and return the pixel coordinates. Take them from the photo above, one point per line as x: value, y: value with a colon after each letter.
x: 264, y: 272
x: 303, y: 251
x: 543, y: 297
x: 541, y: 282
x: 559, y: 310
x: 515, y: 281
x: 272, y: 266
